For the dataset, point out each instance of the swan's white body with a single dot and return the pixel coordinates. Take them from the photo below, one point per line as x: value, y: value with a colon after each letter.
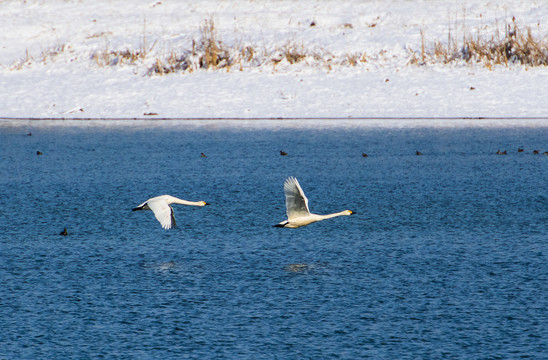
x: 297, y: 210
x: 160, y: 206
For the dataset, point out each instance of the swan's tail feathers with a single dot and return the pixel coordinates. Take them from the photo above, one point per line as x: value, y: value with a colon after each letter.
x: 143, y: 206
x: 282, y: 224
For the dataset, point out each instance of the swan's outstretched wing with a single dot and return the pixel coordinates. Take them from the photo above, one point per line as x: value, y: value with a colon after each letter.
x: 163, y: 212
x: 296, y: 203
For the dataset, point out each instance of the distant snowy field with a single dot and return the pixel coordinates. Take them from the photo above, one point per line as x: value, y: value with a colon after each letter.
x: 49, y: 67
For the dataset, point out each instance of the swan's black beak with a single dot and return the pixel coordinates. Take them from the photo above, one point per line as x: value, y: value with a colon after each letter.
x: 352, y: 212
x: 278, y: 225
x: 206, y: 204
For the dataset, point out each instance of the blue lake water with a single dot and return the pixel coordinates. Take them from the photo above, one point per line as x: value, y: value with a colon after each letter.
x: 447, y: 256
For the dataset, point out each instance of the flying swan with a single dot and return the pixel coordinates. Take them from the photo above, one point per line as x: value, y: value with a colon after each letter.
x: 160, y: 206
x: 296, y: 205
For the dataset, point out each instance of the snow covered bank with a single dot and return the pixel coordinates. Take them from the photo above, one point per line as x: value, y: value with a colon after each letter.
x: 24, y: 127
x: 49, y: 63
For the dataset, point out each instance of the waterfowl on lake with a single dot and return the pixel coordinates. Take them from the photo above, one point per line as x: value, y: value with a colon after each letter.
x: 364, y: 155
x: 501, y: 152
x: 203, y: 155
x: 536, y: 152
x: 520, y: 149
x: 39, y: 153
x: 283, y: 153
x: 418, y: 153
x: 64, y: 232
x: 160, y: 206
x: 297, y: 210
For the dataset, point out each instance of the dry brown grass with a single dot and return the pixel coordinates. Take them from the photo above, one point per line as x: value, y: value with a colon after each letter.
x: 354, y: 59
x: 294, y: 53
x: 210, y: 53
x: 173, y: 63
x: 213, y: 50
x: 207, y: 53
x: 515, y: 47
x: 45, y: 56
x: 23, y: 62
x: 122, y: 57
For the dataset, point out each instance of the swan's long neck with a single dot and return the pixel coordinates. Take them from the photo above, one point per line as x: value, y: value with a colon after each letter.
x: 329, y: 216
x: 175, y: 200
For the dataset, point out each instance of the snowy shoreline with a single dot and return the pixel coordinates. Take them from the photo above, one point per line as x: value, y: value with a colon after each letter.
x: 49, y: 67
x: 22, y: 125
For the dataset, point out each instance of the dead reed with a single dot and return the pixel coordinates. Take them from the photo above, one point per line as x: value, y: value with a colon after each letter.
x: 515, y: 47
x: 45, y: 56
x: 209, y: 52
x: 122, y: 57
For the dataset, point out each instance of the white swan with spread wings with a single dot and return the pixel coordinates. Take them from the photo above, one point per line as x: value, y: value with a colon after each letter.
x: 161, y: 207
x: 296, y: 203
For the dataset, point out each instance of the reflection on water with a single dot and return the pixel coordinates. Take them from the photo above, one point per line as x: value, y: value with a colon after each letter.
x: 445, y: 258
x: 300, y: 268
